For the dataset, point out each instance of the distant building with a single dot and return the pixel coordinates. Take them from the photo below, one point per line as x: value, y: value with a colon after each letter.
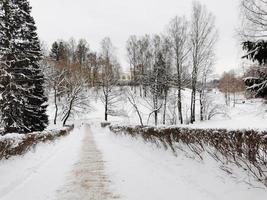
x: 125, y: 77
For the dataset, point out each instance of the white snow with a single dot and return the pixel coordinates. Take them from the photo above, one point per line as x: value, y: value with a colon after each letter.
x: 38, y: 174
x: 247, y: 113
x: 144, y: 171
x: 136, y: 170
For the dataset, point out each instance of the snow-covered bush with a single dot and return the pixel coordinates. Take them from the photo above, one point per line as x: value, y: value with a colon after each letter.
x: 18, y: 144
x: 244, y: 148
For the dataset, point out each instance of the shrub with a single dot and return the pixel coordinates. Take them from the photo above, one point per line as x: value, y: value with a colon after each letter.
x: 19, y: 144
x: 245, y: 148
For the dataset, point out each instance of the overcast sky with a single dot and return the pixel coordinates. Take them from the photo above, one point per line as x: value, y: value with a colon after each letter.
x: 118, y: 19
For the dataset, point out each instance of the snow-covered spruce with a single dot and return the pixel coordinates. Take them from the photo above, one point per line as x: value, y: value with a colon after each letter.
x: 256, y: 80
x: 23, y: 104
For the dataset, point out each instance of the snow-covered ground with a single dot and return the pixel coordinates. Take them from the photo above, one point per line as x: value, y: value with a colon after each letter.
x: 93, y: 160
x: 246, y: 114
x: 144, y: 171
x: 39, y: 173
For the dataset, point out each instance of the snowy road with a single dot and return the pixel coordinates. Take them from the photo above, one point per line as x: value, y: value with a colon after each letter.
x: 94, y: 164
x: 87, y: 179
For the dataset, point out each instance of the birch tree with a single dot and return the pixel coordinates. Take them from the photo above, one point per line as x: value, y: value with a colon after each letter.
x: 203, y: 36
x: 109, y: 77
x: 178, y: 33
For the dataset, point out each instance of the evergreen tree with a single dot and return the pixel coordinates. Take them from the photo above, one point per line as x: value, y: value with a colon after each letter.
x: 156, y: 82
x: 257, y: 75
x: 54, y: 54
x: 23, y: 104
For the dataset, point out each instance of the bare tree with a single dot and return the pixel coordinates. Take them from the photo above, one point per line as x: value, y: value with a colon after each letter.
x: 202, y: 88
x: 109, y: 77
x: 55, y: 79
x: 75, y: 99
x: 134, y: 102
x: 140, y: 57
x: 93, y: 67
x: 144, y: 61
x: 132, y: 52
x: 230, y: 84
x: 166, y: 72
x: 203, y: 36
x: 178, y: 33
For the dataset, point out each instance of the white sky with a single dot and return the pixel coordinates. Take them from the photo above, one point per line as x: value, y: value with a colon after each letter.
x: 118, y: 19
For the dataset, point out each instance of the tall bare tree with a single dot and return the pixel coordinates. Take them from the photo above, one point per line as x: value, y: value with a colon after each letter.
x: 132, y: 52
x: 203, y: 36
x: 109, y: 76
x: 178, y: 33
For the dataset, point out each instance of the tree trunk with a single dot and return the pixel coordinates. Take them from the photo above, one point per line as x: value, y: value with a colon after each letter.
x: 165, y: 107
x: 56, y: 107
x: 106, y: 108
x: 234, y: 99
x: 201, y: 106
x: 180, y: 112
x: 156, y: 117
x: 145, y: 92
x: 193, y: 106
x: 193, y: 96
x: 68, y: 113
x: 179, y: 82
x: 139, y: 115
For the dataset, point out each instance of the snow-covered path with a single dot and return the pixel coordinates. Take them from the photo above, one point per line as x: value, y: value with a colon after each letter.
x: 87, y: 180
x: 71, y: 168
x: 94, y: 164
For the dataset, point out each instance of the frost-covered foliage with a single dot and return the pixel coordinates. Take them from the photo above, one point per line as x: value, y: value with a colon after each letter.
x: 256, y: 79
x: 244, y: 148
x: 23, y: 107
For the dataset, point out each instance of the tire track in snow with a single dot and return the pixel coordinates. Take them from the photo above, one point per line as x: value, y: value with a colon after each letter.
x: 87, y: 180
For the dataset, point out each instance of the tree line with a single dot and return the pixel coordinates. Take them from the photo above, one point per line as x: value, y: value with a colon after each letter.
x: 183, y: 56
x: 161, y: 65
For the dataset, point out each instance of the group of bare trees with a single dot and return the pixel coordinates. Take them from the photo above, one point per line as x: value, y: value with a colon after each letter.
x: 71, y: 69
x: 181, y: 57
x: 231, y: 84
x: 162, y: 66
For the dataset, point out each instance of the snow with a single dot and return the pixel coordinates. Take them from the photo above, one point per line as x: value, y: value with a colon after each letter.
x: 144, y: 171
x: 38, y: 174
x: 127, y: 167
x: 247, y: 113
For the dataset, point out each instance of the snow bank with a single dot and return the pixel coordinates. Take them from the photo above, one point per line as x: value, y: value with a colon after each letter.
x: 40, y: 174
x: 246, y: 149
x: 141, y: 170
x: 18, y: 144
